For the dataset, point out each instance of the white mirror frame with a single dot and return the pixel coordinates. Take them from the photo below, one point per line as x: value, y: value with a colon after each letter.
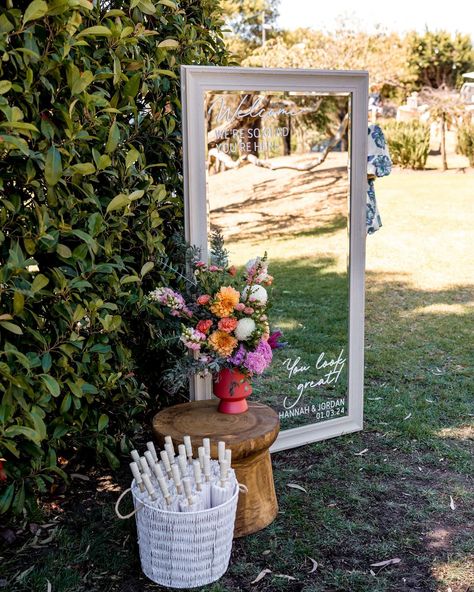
x: 195, y: 81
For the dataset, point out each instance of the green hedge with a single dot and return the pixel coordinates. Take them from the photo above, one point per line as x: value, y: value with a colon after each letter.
x: 466, y: 141
x: 408, y: 142
x: 90, y: 193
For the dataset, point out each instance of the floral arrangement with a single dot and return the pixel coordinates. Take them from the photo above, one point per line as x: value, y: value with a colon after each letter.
x: 223, y: 319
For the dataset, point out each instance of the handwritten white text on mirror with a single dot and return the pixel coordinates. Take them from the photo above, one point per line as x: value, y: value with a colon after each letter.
x: 294, y: 367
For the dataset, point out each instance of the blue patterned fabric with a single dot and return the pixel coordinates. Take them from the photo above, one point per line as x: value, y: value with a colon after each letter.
x: 379, y: 164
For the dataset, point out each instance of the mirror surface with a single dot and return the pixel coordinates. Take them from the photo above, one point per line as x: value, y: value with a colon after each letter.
x: 278, y: 182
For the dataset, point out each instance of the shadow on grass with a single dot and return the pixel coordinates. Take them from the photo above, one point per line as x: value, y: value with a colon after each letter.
x: 381, y: 494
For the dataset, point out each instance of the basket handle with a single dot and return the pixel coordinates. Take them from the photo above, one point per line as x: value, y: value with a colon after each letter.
x: 117, y: 503
x: 243, y: 488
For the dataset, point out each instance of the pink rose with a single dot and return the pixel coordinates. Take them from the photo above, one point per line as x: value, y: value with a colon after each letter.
x: 204, y: 299
x: 249, y: 310
x: 240, y: 306
x: 204, y: 326
x: 227, y: 324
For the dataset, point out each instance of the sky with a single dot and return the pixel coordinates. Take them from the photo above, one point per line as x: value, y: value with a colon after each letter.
x: 400, y: 16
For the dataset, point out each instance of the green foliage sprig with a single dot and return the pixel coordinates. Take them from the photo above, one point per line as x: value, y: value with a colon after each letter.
x: 466, y: 141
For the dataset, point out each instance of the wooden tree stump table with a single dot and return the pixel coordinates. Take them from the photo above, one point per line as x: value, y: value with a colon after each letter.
x: 249, y: 435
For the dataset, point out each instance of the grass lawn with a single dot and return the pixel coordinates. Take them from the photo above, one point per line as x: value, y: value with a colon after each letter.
x: 402, y: 488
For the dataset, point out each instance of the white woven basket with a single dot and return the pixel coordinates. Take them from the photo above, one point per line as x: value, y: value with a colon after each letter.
x: 184, y: 549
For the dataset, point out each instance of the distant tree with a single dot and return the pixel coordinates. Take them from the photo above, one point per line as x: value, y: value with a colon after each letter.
x: 445, y: 107
x: 244, y: 21
x: 437, y: 59
x: 244, y: 17
x: 345, y: 49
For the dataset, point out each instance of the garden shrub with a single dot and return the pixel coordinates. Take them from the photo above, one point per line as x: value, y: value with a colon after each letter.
x: 408, y: 142
x: 90, y: 193
x: 466, y: 141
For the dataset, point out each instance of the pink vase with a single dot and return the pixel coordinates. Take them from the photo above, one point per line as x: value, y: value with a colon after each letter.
x: 232, y: 388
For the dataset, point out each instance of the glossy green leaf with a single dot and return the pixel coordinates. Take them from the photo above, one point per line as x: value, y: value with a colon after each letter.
x: 146, y: 6
x: 5, y: 86
x: 6, y: 498
x: 35, y: 10
x: 53, y: 168
x: 96, y: 31
x: 119, y: 201
x: 46, y: 362
x: 63, y: 251
x: 168, y: 3
x: 103, y: 422
x: 18, y: 303
x: 149, y: 265
x: 39, y: 283
x: 51, y: 384
x: 113, y: 138
x: 66, y: 403
x: 84, y: 168
x: 132, y: 157
x: 169, y: 44
x: 11, y: 327
x: 133, y: 84
x: 19, y: 430
x: 13, y: 142
x: 19, y: 499
x: 81, y: 82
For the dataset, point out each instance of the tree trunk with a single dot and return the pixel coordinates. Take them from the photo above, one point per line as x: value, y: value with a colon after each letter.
x: 248, y: 144
x: 287, y: 138
x: 443, y: 142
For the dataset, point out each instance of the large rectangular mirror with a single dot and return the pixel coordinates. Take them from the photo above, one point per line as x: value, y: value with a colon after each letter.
x: 275, y: 161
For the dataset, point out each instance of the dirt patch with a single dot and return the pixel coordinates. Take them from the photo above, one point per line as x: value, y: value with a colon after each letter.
x: 251, y: 201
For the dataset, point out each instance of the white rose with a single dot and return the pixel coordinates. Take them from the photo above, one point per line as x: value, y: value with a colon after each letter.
x: 245, y: 328
x: 257, y: 294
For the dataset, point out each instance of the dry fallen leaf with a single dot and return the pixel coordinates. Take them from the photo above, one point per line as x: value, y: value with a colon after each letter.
x: 315, y: 565
x: 296, y: 486
x: 372, y: 572
x: 407, y: 417
x: 452, y: 505
x: 50, y: 588
x: 261, y: 575
x: 393, y: 561
x: 266, y: 552
x: 361, y: 452
x: 289, y: 578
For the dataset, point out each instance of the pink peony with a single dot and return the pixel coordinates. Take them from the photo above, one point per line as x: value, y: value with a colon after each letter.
x: 240, y: 306
x: 249, y: 310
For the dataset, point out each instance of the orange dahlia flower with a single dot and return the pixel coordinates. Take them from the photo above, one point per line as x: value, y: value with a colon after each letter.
x: 226, y: 300
x: 223, y: 343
